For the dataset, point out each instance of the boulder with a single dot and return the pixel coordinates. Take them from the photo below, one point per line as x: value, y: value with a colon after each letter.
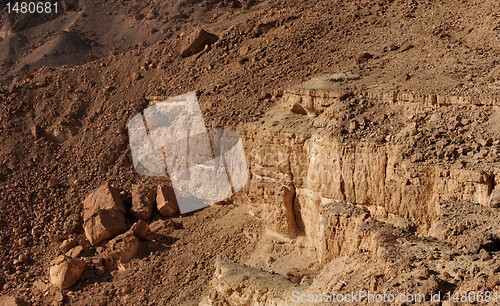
x: 121, y: 250
x: 165, y: 201
x: 104, y: 225
x: 103, y: 198
x: 141, y: 229
x: 196, y: 42
x: 103, y: 214
x: 143, y: 199
x: 65, y: 271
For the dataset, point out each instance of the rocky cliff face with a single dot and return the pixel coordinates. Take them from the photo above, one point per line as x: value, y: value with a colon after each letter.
x: 299, y: 161
x: 346, y: 171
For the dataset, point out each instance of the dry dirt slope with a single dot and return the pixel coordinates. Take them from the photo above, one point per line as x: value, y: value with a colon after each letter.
x: 102, y: 58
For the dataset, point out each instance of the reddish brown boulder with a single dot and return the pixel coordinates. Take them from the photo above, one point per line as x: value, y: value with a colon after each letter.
x: 143, y: 199
x: 65, y: 271
x: 103, y: 214
x: 103, y: 198
x: 196, y: 42
x: 166, y: 202
x: 141, y: 229
x: 104, y: 225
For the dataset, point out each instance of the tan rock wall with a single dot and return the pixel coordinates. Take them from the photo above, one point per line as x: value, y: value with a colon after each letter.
x: 319, y: 168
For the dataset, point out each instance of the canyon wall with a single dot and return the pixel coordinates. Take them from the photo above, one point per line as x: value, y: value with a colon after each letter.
x: 298, y: 162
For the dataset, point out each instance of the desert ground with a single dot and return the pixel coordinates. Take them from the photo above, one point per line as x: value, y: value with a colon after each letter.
x: 371, y: 136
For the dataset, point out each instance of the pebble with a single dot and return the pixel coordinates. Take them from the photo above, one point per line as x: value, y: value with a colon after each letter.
x: 405, y: 47
x: 53, y: 183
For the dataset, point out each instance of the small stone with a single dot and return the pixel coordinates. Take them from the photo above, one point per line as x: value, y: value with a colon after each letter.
x: 83, y: 241
x: 171, y: 224
x: 40, y: 285
x: 446, y: 257
x: 196, y: 42
x: 68, y: 244
x: 35, y: 130
x: 270, y: 260
x: 75, y: 252
x: 393, y: 47
x: 65, y: 271
x: 494, y: 200
x: 71, y: 226
x: 353, y: 125
x: 151, y: 15
x: 265, y: 96
x: 22, y: 258
x: 494, y: 74
x: 405, y: 47
x: 486, y: 142
x: 484, y: 255
x: 417, y: 157
x: 298, y: 109
x: 244, y: 50
x: 53, y: 183
x: 432, y: 285
x: 58, y: 297
x: 363, y: 57
x: 136, y: 76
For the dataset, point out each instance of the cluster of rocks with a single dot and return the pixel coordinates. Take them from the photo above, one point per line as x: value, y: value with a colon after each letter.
x: 107, y: 232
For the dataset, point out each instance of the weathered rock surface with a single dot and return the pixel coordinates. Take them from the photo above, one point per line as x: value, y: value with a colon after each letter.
x: 165, y: 201
x: 103, y: 214
x: 143, y: 199
x: 121, y: 249
x: 65, y: 271
x: 309, y: 155
x: 104, y: 198
x: 104, y: 225
x: 237, y: 284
